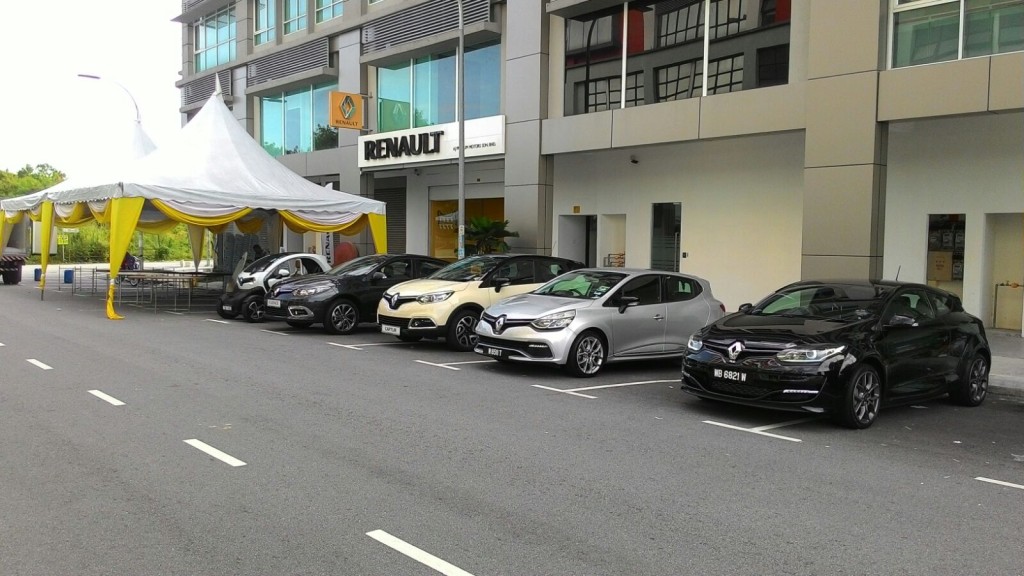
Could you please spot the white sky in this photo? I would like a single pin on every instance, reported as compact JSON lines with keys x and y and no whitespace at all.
{"x":50,"y":116}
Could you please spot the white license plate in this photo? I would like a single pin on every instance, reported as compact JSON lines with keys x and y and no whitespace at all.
{"x":495,"y":352}
{"x":272,"y":303}
{"x":390,"y":330}
{"x":226,"y":307}
{"x":732,"y":375}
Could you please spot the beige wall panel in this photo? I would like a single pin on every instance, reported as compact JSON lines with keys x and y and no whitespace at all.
{"x":1007,"y":84}
{"x":835,"y":267}
{"x":844,"y":36}
{"x":523,"y":35}
{"x":924,"y":91}
{"x":525,"y":98}
{"x":656,"y":123}
{"x":525,"y":167}
{"x":331,"y":161}
{"x":775,"y":109}
{"x":839,"y":211}
{"x":528,"y":210}
{"x":577,"y":133}
{"x":841,"y":128}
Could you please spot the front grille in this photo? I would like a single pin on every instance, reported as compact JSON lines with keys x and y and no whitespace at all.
{"x":402,"y":323}
{"x":508,"y":323}
{"x":396,"y":302}
{"x":736,"y":389}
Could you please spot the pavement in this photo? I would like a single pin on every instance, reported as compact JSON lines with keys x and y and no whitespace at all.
{"x":1006,"y":378}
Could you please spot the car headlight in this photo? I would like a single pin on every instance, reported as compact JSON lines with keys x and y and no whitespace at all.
{"x":695,"y":344}
{"x":434,"y":297}
{"x":809,"y":353}
{"x":555,"y":321}
{"x":311,"y":290}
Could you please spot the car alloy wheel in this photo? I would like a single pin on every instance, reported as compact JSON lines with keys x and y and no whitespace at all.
{"x":973,"y":385}
{"x":862,"y":398}
{"x":586,"y":357}
{"x":252,"y":309}
{"x":342,"y":318}
{"x":462,"y":333}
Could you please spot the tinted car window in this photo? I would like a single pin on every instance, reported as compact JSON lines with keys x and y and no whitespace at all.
{"x":824,"y":300}
{"x":646,"y":288}
{"x":519,"y":271}
{"x":589,"y":284}
{"x":943,"y":304}
{"x":427,"y":267}
{"x":467,"y":269}
{"x":912,"y":304}
{"x":358,"y":266}
{"x":678,"y":288}
{"x":398,"y":269}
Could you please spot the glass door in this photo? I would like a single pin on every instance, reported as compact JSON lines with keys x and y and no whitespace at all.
{"x":666,"y":221}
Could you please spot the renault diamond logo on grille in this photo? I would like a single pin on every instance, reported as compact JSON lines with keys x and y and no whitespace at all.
{"x":734,"y":350}
{"x":499,"y":324}
{"x":392,"y":300}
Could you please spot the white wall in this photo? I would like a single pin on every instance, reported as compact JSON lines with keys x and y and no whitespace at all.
{"x":742,"y":206}
{"x":964,"y":165}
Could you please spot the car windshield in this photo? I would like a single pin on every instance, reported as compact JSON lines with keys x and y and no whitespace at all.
{"x":358,"y":266}
{"x":581,"y":284}
{"x":263,"y":263}
{"x":829,"y":301}
{"x":467,"y":269}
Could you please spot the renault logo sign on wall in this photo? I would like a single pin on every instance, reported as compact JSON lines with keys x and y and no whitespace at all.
{"x":347,"y":110}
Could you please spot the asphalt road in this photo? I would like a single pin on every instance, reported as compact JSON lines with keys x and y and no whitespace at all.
{"x":360,"y":455}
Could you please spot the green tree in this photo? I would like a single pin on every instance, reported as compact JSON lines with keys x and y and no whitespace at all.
{"x":487,"y":235}
{"x":29,"y":179}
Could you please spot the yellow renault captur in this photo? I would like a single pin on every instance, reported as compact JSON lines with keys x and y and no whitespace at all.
{"x":448,"y":303}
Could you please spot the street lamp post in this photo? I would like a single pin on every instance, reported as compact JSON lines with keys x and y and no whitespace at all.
{"x":460,"y":106}
{"x":138,"y":115}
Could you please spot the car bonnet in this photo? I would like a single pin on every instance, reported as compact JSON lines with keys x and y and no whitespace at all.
{"x":528,"y":306}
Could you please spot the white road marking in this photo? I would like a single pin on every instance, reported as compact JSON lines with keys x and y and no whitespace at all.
{"x":620,"y":385}
{"x":175,"y":313}
{"x":782,"y":424}
{"x":361,"y":346}
{"x":471,"y":362}
{"x":39,"y":364}
{"x":1,"y":343}
{"x":106,"y":397}
{"x":417,"y":554}
{"x":203,"y":446}
{"x":217,"y":321}
{"x":564,"y":391}
{"x":752,"y":431}
{"x":439,"y":365}
{"x":1000,"y":482}
{"x":275,"y":332}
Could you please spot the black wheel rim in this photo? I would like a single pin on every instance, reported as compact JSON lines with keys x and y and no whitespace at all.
{"x":589,"y":354}
{"x":867,"y":395}
{"x":343,"y":317}
{"x":255,"y":310}
{"x":464,"y":334}
{"x":978,"y":380}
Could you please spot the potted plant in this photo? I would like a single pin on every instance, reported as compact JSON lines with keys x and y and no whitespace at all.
{"x":486,"y":235}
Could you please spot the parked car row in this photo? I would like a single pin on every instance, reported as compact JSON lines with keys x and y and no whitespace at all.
{"x":844,"y":348}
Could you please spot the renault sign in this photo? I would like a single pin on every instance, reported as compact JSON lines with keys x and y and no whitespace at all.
{"x":347,"y":110}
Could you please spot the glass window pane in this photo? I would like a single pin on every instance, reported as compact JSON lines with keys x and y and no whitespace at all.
{"x":298,"y":121}
{"x":325,"y":136}
{"x":926,"y":35}
{"x":272,"y":125}
{"x":483,"y":81}
{"x":394,"y":87}
{"x":434,"y":90}
{"x":666,"y":220}
{"x":993,"y":27}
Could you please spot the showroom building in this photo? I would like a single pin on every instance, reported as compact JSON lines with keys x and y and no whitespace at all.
{"x":750,"y":142}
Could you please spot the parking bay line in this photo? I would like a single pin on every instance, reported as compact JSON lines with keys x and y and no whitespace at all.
{"x":1000,"y":482}
{"x":274,"y":332}
{"x":39,"y":364}
{"x":204,"y":447}
{"x":106,"y":397}
{"x":576,"y":391}
{"x":753,"y":431}
{"x":417,"y":554}
{"x":451,"y":365}
{"x":217,"y":321}
{"x":360,"y":347}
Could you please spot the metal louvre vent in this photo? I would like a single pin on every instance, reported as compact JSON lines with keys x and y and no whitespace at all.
{"x":421,"y":21}
{"x":395,"y":200}
{"x":187,"y":5}
{"x":199,"y":90}
{"x":315,"y":54}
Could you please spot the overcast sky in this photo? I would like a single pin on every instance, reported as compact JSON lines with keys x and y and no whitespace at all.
{"x":50,"y":116}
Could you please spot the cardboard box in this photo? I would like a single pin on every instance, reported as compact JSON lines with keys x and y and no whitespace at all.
{"x":940,"y":266}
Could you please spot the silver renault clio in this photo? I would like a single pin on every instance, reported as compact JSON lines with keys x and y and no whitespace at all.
{"x":585,"y":318}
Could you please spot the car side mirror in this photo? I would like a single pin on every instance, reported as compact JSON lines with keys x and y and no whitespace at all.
{"x":627,"y":302}
{"x":499,"y":282}
{"x":746,"y":307}
{"x":900,"y":321}
{"x":284,"y":273}
{"x":378,"y":275}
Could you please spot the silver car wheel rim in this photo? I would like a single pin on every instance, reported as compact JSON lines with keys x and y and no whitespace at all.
{"x":589,"y":355}
{"x":255,"y":310}
{"x":978,"y":383}
{"x":343,"y":317}
{"x":464,"y":334}
{"x":866,"y":397}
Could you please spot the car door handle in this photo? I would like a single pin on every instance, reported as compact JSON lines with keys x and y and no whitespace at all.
{"x":659,"y":317}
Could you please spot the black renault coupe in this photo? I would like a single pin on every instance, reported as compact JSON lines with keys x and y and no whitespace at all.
{"x":844,"y":348}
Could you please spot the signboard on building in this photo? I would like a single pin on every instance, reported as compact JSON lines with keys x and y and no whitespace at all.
{"x":484,"y":137}
{"x":347,"y":110}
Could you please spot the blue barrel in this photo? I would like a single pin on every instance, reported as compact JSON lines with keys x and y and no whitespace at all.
{"x":69,"y":276}
{"x":39,"y":274}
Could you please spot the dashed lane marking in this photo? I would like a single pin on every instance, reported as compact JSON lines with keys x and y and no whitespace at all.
{"x":752,"y":431}
{"x":106,"y":398}
{"x":417,"y":554}
{"x":204,"y":447}
{"x":452,"y":365}
{"x":1000,"y":482}
{"x":39,"y":364}
{"x":576,"y":391}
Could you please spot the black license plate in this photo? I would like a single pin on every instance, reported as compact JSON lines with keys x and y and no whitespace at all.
{"x":729,"y":375}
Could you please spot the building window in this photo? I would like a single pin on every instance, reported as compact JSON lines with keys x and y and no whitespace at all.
{"x":606,"y":93}
{"x":728,"y":17}
{"x":925,"y":31}
{"x":297,"y":121}
{"x":680,"y":81}
{"x":294,"y":16}
{"x":329,"y":9}
{"x":214,"y":39}
{"x":418,"y":93}
{"x":725,"y":75}
{"x":583,"y":35}
{"x":684,"y":24}
{"x":264,"y":21}
{"x":773,"y":65}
